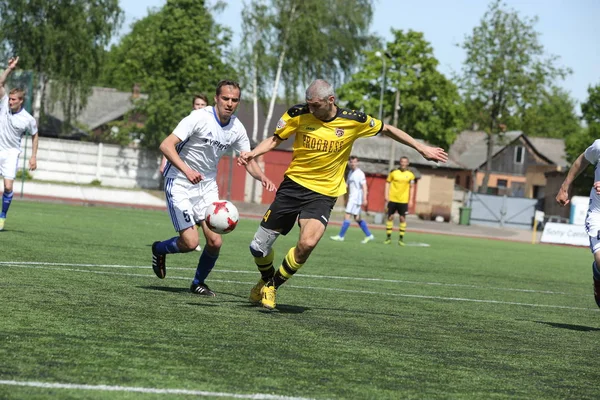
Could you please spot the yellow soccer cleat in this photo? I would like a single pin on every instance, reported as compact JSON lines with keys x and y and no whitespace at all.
{"x":401,"y":242}
{"x":2,"y":220}
{"x":268,"y":297}
{"x":255,"y":292}
{"x":387,"y":241}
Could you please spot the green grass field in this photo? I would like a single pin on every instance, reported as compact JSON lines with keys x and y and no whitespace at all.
{"x":84,"y":317}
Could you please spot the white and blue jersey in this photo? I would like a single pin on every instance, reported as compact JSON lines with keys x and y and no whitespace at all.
{"x":204,"y":141}
{"x":355,"y":181}
{"x":13,"y":126}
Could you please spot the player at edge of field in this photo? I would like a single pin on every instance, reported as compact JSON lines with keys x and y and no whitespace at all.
{"x":15,"y":122}
{"x":592,"y":220}
{"x":398,"y":187}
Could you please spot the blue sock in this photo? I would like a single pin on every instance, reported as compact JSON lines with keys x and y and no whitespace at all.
{"x":364,"y":227}
{"x":6,"y":199}
{"x":168,"y":246}
{"x":205,"y":265}
{"x":596,"y":271}
{"x":345,"y":226}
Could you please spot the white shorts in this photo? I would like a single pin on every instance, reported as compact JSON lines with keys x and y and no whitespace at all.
{"x":187,"y":202}
{"x":9,"y":159}
{"x":592,"y":227}
{"x":353,"y":208}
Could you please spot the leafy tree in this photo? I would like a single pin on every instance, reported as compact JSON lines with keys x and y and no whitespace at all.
{"x":505,"y":71}
{"x":63,"y":41}
{"x":420,"y":99}
{"x":308,"y":39}
{"x":554,"y":116}
{"x":172,"y":53}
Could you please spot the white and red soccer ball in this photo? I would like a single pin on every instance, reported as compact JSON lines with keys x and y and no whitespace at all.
{"x":222,"y":217}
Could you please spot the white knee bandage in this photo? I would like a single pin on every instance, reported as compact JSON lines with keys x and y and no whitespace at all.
{"x":263,"y":242}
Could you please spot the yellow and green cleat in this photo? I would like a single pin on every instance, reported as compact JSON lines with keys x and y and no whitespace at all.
{"x":255,"y":292}
{"x":268,"y":297}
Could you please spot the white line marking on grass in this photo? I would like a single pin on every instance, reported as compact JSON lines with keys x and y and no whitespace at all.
{"x":417,"y":296}
{"x":18,"y":263}
{"x":107,"y":388}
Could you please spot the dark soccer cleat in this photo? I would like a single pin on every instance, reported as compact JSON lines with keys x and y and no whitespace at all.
{"x":202,"y":290}
{"x":596,"y":274}
{"x":159,"y":263}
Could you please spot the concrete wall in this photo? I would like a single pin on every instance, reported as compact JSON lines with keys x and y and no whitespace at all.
{"x":82,"y":162}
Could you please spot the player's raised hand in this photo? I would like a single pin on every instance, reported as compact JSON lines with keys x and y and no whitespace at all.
{"x":12,"y":63}
{"x":435,"y":154}
{"x":597,"y":187}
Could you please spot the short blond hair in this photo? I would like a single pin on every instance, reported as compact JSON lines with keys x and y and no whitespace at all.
{"x":19,"y":92}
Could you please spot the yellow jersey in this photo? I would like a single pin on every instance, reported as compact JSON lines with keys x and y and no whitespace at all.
{"x":321,"y":148}
{"x":400,"y":182}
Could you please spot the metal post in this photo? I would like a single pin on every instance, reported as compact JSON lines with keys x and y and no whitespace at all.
{"x":230,"y":175}
{"x":24,"y":172}
{"x":380,"y":54}
{"x":395,"y":123}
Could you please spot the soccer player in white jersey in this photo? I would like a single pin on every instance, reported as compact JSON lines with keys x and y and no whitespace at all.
{"x":356,"y":200}
{"x":592,"y":220}
{"x":193,"y":152}
{"x":15,"y":121}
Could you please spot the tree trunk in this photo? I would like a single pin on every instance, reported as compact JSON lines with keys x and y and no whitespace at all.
{"x":488,"y":164}
{"x":278,"y":75}
{"x":255,"y":97}
{"x":38,"y":95}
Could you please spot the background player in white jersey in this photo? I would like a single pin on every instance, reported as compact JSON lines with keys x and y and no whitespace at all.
{"x":592,"y":220}
{"x":356,"y":181}
{"x":15,"y":121}
{"x":193,"y":151}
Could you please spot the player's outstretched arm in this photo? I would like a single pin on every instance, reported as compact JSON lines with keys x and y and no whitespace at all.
{"x":428,"y":152}
{"x":578,"y":166}
{"x":263,"y":147}
{"x":12,"y":65}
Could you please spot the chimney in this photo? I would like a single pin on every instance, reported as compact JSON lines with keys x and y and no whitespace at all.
{"x":135,"y":91}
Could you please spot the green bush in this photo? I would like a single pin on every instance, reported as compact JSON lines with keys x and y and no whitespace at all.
{"x":96,"y":182}
{"x":20,"y":175}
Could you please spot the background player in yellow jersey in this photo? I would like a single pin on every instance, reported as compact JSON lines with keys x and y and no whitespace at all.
{"x":398,"y":186}
{"x":324,"y":134}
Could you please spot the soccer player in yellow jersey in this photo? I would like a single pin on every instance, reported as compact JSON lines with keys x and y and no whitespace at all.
{"x":324,"y":134}
{"x":398,"y":186}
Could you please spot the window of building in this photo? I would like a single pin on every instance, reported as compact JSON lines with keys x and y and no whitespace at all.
{"x":519,"y":154}
{"x":502,"y":183}
{"x":457,"y":180}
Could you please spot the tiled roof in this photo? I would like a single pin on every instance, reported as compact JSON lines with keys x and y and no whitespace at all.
{"x":103,"y":105}
{"x":470,"y":147}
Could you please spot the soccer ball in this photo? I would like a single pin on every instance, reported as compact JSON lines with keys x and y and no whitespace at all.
{"x":222,"y":217}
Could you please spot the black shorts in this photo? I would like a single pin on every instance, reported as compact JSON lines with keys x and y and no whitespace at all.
{"x":393,"y":207}
{"x":294,"y":201}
